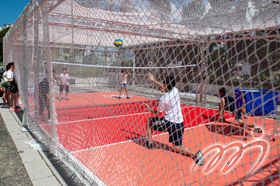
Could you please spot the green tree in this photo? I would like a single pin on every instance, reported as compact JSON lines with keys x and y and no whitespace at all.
{"x":2,"y":34}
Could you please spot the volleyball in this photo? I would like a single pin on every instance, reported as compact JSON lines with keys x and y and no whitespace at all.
{"x":118,"y":43}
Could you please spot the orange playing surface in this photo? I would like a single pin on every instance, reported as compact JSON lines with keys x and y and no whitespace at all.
{"x":108,"y":141}
{"x":130,"y":163}
{"x":96,"y":98}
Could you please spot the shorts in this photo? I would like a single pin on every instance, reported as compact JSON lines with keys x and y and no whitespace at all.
{"x":175,"y":130}
{"x":231,"y":108}
{"x":64,"y":86}
{"x":124,"y":85}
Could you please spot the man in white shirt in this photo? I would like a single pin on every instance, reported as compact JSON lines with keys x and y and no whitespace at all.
{"x":124,"y":76}
{"x":172,"y":122}
{"x":64,"y":77}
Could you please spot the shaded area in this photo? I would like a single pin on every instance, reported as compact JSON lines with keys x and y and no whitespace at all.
{"x":140,"y":140}
{"x":12,"y":171}
{"x":67,"y":175}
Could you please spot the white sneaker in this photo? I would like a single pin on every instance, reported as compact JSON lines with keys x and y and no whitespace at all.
{"x":257,"y":128}
{"x":199,"y":158}
{"x":6,"y":106}
{"x":55,"y":121}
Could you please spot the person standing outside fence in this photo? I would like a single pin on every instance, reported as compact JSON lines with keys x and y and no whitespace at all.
{"x":6,"y":86}
{"x":13,"y":87}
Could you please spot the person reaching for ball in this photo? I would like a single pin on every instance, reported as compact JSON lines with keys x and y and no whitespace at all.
{"x":172,"y":122}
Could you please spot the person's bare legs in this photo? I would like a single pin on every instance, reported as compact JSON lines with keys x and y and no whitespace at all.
{"x":121,"y":92}
{"x":241,"y":123}
{"x":16,"y":100}
{"x":13,"y":100}
{"x":149,"y":131}
{"x":183,"y":150}
{"x":8,"y":93}
{"x":126,"y":92}
{"x":221,"y":113}
{"x":4,"y":98}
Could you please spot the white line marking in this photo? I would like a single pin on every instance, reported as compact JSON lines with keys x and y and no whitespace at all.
{"x":121,"y":67}
{"x":103,"y":118}
{"x":137,"y":139}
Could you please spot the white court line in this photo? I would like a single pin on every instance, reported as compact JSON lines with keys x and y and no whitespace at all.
{"x":110,"y":117}
{"x":101,"y":66}
{"x":101,"y":118}
{"x":138,"y":138}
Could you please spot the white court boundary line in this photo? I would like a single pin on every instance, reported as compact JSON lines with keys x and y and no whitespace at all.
{"x":100,"y":118}
{"x":118,"y":67}
{"x":113,"y":117}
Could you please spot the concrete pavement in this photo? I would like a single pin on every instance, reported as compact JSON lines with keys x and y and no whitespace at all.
{"x":22,"y":164}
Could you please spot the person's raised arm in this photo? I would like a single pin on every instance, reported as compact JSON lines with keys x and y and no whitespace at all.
{"x":160,"y":85}
{"x":128,"y":74}
{"x":155,"y":112}
{"x":221,"y":108}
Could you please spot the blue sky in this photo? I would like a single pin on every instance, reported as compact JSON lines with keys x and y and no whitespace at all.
{"x":10,"y":10}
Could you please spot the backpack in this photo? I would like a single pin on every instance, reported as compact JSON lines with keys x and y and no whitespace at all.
{"x":4,"y":80}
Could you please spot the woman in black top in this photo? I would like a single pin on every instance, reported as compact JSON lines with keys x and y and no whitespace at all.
{"x":228,"y":103}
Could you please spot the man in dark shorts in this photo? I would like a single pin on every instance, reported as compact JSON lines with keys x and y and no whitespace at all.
{"x":227,"y":103}
{"x":43,"y":97}
{"x":172,"y":122}
{"x":64,"y":80}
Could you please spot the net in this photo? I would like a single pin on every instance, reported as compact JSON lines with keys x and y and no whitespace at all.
{"x":84,"y":96}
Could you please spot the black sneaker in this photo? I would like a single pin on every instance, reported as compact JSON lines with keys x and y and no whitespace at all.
{"x":149,"y":145}
{"x":127,"y":97}
{"x":199,"y":158}
{"x":222,"y":119}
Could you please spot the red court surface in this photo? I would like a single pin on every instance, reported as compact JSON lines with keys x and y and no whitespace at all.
{"x":108,"y":140}
{"x":130,"y":163}
{"x":89,"y":128}
{"x":95,"y":98}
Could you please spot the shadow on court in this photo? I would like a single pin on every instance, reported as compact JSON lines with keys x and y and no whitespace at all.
{"x":226,"y":129}
{"x":140,"y":140}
